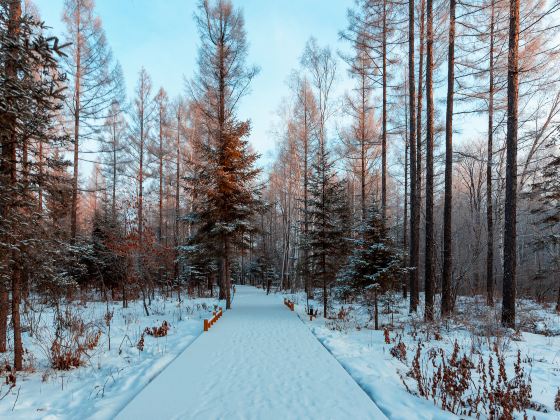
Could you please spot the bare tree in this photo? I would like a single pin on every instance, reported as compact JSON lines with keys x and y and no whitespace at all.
{"x":446,"y":280}
{"x":510,"y":209}
{"x":91,"y":74}
{"x":414,"y":187}
{"x":430,"y":244}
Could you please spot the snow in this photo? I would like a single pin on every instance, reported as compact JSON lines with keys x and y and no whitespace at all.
{"x":363,"y":353}
{"x":259,"y":361}
{"x":110,"y":378}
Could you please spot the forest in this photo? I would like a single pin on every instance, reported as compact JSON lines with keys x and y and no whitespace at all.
{"x":420,"y":201}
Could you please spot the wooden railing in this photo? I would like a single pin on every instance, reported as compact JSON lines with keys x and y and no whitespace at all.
{"x":289,"y":304}
{"x":215,"y":316}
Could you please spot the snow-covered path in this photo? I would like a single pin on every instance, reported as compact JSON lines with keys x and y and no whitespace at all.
{"x":258,"y":362}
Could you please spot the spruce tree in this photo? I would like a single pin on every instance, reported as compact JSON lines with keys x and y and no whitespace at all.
{"x":375,"y":264}
{"x":327,"y":213}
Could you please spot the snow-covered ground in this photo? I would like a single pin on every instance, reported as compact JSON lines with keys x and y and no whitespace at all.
{"x":258,"y":362}
{"x":262,"y":361}
{"x":109,"y":378}
{"x":365,"y":355}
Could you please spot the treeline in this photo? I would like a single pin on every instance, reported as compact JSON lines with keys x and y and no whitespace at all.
{"x":446,"y":147}
{"x":173,"y":185}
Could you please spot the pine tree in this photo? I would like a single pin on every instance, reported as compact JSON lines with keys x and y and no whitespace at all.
{"x":375,"y":264}
{"x":546,"y":192}
{"x":229,"y":195}
{"x":30,"y":95}
{"x":327,"y":210}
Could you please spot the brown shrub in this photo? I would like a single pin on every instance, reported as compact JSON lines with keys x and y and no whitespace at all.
{"x":158,"y":331}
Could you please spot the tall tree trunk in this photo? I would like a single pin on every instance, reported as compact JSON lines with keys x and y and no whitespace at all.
{"x":4,"y":305}
{"x":114,"y":186}
{"x":414,"y":210}
{"x":384,"y":120}
{"x":363,"y":169}
{"x":489,"y":164}
{"x":308,"y":285}
{"x":405,"y":215}
{"x":419,"y":171}
{"x":177,"y":199}
{"x":77,"y":105}
{"x":16,"y":325}
{"x":160,"y":203}
{"x":227,"y":279}
{"x":510,"y":206}
{"x":429,"y":263}
{"x":40,"y":176}
{"x":8,"y":176}
{"x":446,"y":298}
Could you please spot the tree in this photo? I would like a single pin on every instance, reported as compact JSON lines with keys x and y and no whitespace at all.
{"x":546,"y":192}
{"x":112,"y":148}
{"x":305,"y":119}
{"x":326,"y":213}
{"x":370,"y":31}
{"x":141,"y":124}
{"x":414,"y":187}
{"x":28,"y":106}
{"x":430,"y":242}
{"x":375,"y":265}
{"x":510,"y":206}
{"x":161,"y":150}
{"x":222,"y":79}
{"x":446,"y":293}
{"x":489,"y":164}
{"x":91,"y":76}
{"x":361,"y":135}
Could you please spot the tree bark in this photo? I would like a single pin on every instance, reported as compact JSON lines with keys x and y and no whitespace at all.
{"x":510,"y":206}
{"x":177,"y":200}
{"x":4,"y":305}
{"x":405,"y":215}
{"x":419,"y":108}
{"x":77,"y":93}
{"x":429,"y":262}
{"x":8,"y":175}
{"x":384,"y":120}
{"x":489,"y":164}
{"x":414,"y":210}
{"x":446,"y":298}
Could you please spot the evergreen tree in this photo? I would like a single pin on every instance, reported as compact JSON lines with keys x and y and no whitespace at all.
{"x":327,"y":210}
{"x":546,"y":192}
{"x":375,"y":264}
{"x":228,"y":164}
{"x":30,"y":95}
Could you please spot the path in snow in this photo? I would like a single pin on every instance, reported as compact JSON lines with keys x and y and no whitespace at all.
{"x":259,"y":361}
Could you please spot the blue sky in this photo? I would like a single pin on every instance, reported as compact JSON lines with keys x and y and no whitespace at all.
{"x":160,"y":35}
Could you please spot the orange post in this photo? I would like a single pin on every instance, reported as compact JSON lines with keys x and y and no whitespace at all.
{"x":206,"y":325}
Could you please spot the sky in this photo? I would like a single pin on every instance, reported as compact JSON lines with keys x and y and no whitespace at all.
{"x":160,"y":35}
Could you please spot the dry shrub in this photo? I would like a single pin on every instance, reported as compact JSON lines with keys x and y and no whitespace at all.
{"x":344,"y":321}
{"x":399,"y":350}
{"x":557,"y":401}
{"x":457,"y":385}
{"x":386,"y":335}
{"x":73,"y":340}
{"x":69,"y":353}
{"x":140,"y":344}
{"x":10,"y":379}
{"x":158,"y":331}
